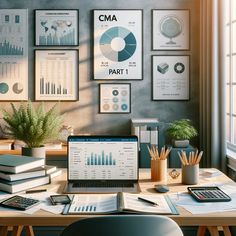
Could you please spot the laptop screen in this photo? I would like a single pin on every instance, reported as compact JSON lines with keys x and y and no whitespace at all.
{"x":102,"y":158}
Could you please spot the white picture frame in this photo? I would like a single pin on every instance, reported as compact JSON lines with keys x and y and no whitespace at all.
{"x":56,"y":28}
{"x":170,"y":77}
{"x":118,"y":45}
{"x":171,"y":29}
{"x":115,"y":98}
{"x":56,"y":75}
{"x":14,"y":54}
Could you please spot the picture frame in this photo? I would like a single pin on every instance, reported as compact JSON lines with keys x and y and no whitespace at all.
{"x":171,"y":29}
{"x":57,"y":28}
{"x":56,"y":75}
{"x":118,"y":44}
{"x":14,"y":55}
{"x":115,"y":98}
{"x":170,"y":77}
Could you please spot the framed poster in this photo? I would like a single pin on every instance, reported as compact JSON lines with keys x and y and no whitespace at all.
{"x":115,"y":98}
{"x":170,"y":77}
{"x":56,"y":27}
{"x":56,"y":75}
{"x":170,"y":29}
{"x":14,"y":54}
{"x":117,"y":44}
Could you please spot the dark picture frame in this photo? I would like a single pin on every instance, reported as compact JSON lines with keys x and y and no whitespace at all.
{"x":171,"y":29}
{"x":115,"y":98}
{"x":56,"y":27}
{"x":117,"y":44}
{"x":170,"y":77}
{"x":61,"y":85}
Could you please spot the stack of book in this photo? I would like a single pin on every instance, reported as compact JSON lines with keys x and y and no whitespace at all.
{"x":19,"y":173}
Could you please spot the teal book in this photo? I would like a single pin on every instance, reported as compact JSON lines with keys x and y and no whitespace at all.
{"x":17,"y":164}
{"x":21,"y":185}
{"x":32,"y":173}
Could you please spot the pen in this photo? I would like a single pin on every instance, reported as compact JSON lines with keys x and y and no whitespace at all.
{"x":147,"y":201}
{"x":36,"y":191}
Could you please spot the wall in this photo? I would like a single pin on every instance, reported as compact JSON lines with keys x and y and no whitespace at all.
{"x":83,"y":115}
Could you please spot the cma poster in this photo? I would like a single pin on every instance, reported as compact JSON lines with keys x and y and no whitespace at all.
{"x":118,"y":44}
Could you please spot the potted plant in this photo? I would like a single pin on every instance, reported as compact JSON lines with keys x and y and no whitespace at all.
{"x":32,"y":126}
{"x":181,"y":131}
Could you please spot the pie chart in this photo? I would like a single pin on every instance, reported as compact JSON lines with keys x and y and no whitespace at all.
{"x":118,"y":44}
{"x":17,"y":88}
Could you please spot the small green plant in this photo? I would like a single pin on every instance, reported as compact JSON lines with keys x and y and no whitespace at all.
{"x":181,"y":130}
{"x":32,"y":126}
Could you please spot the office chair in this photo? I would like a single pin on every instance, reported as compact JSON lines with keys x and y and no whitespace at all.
{"x":124,"y":225}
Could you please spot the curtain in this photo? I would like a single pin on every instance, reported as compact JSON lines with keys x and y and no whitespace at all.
{"x":212,"y":84}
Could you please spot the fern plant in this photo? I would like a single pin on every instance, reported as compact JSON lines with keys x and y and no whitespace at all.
{"x":181,"y":130}
{"x":32,"y":126}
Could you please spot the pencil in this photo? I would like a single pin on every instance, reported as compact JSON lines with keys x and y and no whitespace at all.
{"x":199,"y":157}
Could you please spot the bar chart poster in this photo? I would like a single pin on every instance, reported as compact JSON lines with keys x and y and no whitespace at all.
{"x":56,"y":75}
{"x":56,"y":27}
{"x":118,"y":44}
{"x":115,"y":98}
{"x":13,"y":54}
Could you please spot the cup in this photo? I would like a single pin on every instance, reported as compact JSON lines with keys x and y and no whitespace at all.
{"x":190,"y":174}
{"x":159,"y":170}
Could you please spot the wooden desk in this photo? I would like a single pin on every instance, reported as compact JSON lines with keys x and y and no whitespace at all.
{"x":43,"y":218}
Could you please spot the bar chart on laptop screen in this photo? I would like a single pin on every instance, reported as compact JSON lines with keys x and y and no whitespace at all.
{"x":103,"y":161}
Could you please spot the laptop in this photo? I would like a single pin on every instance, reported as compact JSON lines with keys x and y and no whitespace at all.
{"x":102,"y":164}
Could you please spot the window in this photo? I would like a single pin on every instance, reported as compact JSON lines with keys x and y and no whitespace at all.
{"x":230,"y":63}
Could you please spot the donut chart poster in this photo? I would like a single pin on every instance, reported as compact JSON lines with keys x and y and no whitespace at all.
{"x":170,"y":29}
{"x":170,"y":77}
{"x":117,"y":45}
{"x":115,"y":98}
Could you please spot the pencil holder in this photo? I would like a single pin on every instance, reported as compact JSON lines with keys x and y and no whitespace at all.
{"x":159,"y":170}
{"x":190,"y":174}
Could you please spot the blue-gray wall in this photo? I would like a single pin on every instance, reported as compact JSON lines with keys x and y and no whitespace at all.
{"x":83,"y":115}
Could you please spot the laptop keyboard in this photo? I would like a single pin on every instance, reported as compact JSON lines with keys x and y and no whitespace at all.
{"x":103,"y":185}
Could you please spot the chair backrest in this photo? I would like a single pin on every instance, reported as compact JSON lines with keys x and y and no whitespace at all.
{"x":124,"y":225}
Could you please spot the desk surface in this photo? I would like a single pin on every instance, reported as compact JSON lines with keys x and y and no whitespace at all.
{"x":43,"y":218}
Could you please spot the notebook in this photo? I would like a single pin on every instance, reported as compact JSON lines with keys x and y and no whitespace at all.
{"x":102,"y":164}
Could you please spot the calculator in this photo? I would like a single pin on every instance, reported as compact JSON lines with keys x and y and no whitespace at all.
{"x":208,"y":194}
{"x":19,"y":203}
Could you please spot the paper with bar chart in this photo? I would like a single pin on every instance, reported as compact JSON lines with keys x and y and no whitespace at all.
{"x":56,"y":27}
{"x":56,"y":75}
{"x":103,"y":160}
{"x":118,"y":44}
{"x":13,"y":54}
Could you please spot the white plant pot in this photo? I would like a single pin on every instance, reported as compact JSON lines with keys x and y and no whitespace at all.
{"x":34,"y":152}
{"x":180,"y":143}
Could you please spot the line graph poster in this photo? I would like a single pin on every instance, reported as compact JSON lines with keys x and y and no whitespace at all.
{"x":13,"y":54}
{"x":56,"y":27}
{"x":118,"y":44}
{"x":171,"y":29}
{"x":56,"y":75}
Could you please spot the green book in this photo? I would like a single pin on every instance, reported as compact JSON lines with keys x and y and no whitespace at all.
{"x":18,"y":164}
